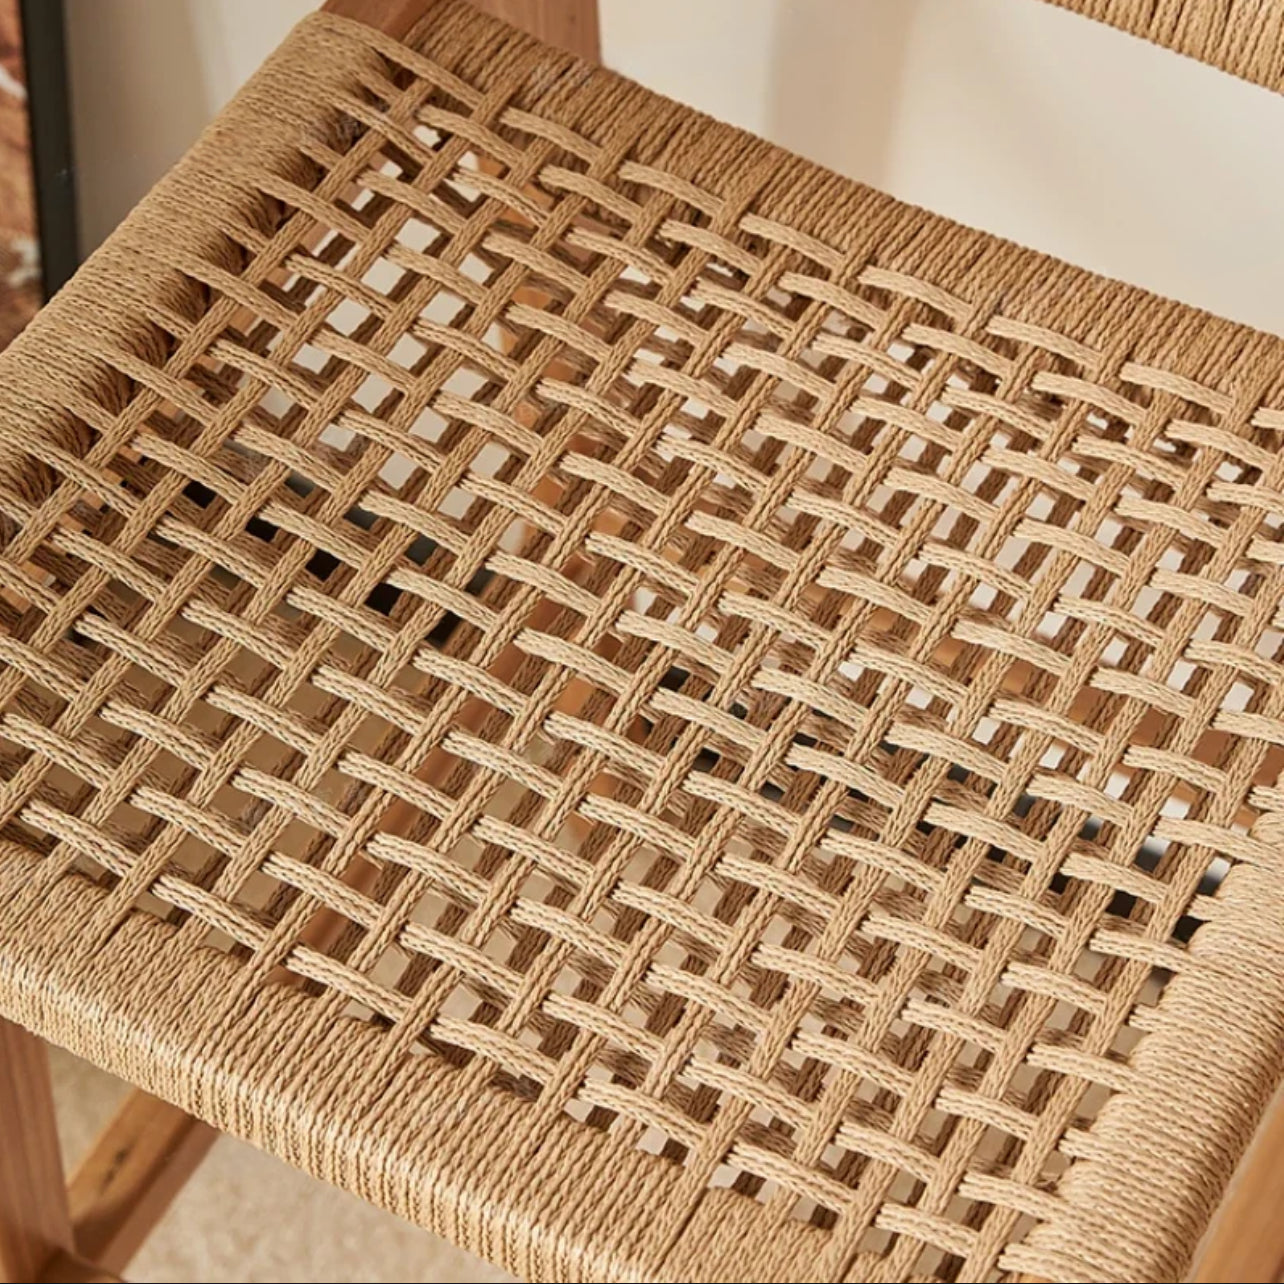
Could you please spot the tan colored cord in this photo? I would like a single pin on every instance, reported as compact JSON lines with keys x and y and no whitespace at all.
{"x":800,"y":675}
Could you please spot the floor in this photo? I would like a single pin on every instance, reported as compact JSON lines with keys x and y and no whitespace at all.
{"x":247,"y":1217}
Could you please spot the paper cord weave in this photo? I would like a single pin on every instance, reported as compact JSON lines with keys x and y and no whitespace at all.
{"x":645,"y":706}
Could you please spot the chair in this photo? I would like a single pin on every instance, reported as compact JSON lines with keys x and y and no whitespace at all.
{"x":644,"y":706}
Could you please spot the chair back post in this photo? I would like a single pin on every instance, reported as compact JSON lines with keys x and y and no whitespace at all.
{"x":569,"y":24}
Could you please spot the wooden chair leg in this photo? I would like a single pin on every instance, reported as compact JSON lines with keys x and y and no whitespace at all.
{"x":1245,"y":1241}
{"x":35,"y":1224}
{"x":67,"y":1269}
{"x":131,"y":1175}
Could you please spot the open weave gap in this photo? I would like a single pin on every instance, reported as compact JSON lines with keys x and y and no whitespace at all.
{"x":713,"y":671}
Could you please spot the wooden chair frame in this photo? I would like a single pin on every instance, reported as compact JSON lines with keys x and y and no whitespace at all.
{"x":89,"y":1227}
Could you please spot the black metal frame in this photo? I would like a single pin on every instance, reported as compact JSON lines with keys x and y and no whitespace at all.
{"x":49,"y":112}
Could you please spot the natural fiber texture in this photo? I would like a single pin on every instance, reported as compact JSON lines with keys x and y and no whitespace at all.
{"x":638,"y":703}
{"x":1244,"y":37}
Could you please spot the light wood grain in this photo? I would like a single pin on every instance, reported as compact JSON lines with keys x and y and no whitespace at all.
{"x":396,"y":17}
{"x":66,"y":1268}
{"x":1246,"y":1239}
{"x":131,"y":1175}
{"x":568,"y":24}
{"x":34,"y":1222}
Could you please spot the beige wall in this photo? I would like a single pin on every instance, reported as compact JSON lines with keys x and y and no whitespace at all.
{"x":1009,"y":114}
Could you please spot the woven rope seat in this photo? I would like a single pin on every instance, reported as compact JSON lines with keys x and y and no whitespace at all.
{"x":642,"y":705}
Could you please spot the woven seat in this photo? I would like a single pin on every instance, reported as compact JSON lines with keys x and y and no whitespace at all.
{"x":647,"y":707}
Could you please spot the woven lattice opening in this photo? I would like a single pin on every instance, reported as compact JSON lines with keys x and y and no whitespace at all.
{"x":762,"y":702}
